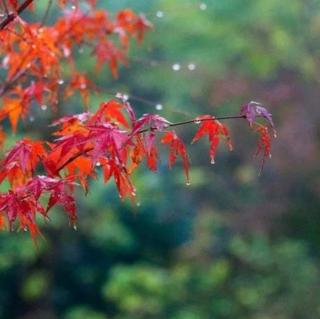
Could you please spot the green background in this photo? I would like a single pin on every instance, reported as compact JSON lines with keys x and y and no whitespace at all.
{"x":232,"y":245}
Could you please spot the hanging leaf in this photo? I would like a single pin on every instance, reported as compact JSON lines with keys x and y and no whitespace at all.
{"x":176,"y":147}
{"x":215,"y":130}
{"x":252,"y":110}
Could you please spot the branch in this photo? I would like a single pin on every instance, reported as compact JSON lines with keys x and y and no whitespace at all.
{"x":11,"y":16}
{"x":74,"y":157}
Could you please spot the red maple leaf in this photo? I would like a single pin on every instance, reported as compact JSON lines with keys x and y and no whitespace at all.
{"x":176,"y":147}
{"x":215,"y":130}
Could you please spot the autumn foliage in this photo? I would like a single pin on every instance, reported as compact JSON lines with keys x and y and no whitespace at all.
{"x":112,"y":140}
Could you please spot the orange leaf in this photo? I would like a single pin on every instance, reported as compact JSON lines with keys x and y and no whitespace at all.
{"x":13,"y":109}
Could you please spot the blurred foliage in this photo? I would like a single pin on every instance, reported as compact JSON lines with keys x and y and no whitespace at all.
{"x":231,"y":245}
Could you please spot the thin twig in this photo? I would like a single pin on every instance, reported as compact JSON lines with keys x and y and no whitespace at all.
{"x":11,"y":16}
{"x":83,"y":152}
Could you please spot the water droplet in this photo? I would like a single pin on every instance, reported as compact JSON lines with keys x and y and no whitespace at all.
{"x":43,"y":107}
{"x":270,"y":156}
{"x":75,"y":227}
{"x":191,"y":66}
{"x":98,"y":164}
{"x":25,"y":228}
{"x":123,"y":97}
{"x":176,"y":67}
{"x":275,"y":135}
{"x":73,"y":7}
{"x":203,"y":6}
{"x":159,"y":107}
{"x":188,"y":183}
{"x":212,"y":161}
{"x":159,"y":14}
{"x":133,"y":194}
{"x":31,"y":118}
{"x":60,"y":81}
{"x":197,"y":122}
{"x":138,"y":204}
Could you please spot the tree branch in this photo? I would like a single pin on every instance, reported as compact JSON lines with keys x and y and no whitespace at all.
{"x":11,"y":16}
{"x":83,"y":152}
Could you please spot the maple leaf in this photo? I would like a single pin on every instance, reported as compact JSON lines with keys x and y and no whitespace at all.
{"x":215,"y":130}
{"x":72,"y":124}
{"x":106,"y":51}
{"x":13,"y":108}
{"x":264,"y":144}
{"x":20,"y":162}
{"x":81,"y":83}
{"x":177,"y":147}
{"x":252,"y":110}
{"x":152,"y":123}
{"x":111,"y":111}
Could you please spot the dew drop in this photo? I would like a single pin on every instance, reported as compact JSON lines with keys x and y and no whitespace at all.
{"x":188,"y":183}
{"x":25,"y":228}
{"x":60,"y":81}
{"x":159,"y":14}
{"x":270,"y":156}
{"x":275,"y":135}
{"x":73,"y":7}
{"x":159,"y":107}
{"x":212,"y":161}
{"x":98,"y":164}
{"x":197,"y":122}
{"x":31,"y":118}
{"x":176,"y":67}
{"x":191,"y":66}
{"x":133,"y":194}
{"x":138,"y":204}
{"x":121,"y":96}
{"x":75,"y":227}
{"x":203,"y":6}
{"x":43,"y":107}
